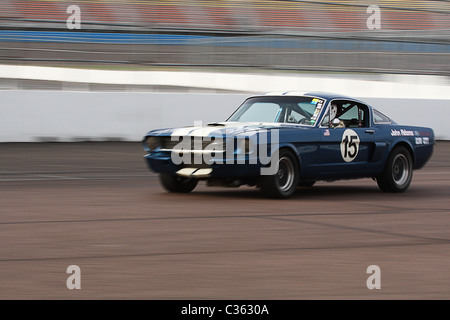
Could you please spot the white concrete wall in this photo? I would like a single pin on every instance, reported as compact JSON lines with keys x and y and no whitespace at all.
{"x":28,"y":116}
{"x":382,"y":86}
{"x":71,"y":116}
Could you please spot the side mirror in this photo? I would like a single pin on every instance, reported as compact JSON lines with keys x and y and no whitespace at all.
{"x":335,"y":122}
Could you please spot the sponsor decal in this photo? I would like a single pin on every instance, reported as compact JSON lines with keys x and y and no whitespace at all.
{"x":326,"y":133}
{"x":422,"y":140}
{"x":316,"y":111}
{"x":402,"y":133}
{"x":407,"y":133}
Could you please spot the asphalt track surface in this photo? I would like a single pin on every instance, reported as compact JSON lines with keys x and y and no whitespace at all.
{"x":95,"y":205}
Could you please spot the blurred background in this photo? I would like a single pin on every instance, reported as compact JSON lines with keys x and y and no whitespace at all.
{"x":365,"y":48}
{"x":108,"y":71}
{"x":334,"y":37}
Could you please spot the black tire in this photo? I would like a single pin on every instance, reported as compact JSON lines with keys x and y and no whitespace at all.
{"x":283,"y":183}
{"x":177,"y":184}
{"x":306,"y":183}
{"x":397,"y":174}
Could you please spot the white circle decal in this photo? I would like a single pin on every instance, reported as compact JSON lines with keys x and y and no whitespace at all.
{"x":349,"y":145}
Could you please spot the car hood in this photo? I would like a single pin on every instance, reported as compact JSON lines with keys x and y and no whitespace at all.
{"x":223,"y":129}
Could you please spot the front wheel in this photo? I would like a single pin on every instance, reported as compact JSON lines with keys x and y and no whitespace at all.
{"x":397,"y":175}
{"x":284,"y":182}
{"x":174,"y":183}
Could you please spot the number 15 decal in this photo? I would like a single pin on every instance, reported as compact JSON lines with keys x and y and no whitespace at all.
{"x":349,"y":145}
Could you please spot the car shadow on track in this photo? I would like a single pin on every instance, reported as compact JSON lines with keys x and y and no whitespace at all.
{"x":316,"y":192}
{"x":320,"y":191}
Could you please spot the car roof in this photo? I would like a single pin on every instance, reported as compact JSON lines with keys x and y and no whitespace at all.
{"x":318,"y":94}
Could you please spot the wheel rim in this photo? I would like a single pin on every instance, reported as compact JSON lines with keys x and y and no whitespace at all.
{"x":400,"y":169}
{"x":285,"y":174}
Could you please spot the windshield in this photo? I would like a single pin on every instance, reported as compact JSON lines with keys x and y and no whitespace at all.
{"x":279,"y":109}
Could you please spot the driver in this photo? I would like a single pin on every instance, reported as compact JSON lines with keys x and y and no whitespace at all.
{"x":333,"y":114}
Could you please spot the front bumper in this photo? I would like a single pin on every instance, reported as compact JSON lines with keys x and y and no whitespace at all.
{"x":161,"y":162}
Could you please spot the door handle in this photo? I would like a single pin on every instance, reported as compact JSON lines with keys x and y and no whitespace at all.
{"x":371,"y":131}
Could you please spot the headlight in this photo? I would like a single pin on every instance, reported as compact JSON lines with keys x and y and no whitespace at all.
{"x":152,"y":143}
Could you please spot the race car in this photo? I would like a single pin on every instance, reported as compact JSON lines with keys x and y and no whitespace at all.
{"x":280,"y":141}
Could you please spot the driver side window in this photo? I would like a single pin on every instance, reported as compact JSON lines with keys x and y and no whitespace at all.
{"x":334,"y":111}
{"x":350,"y":114}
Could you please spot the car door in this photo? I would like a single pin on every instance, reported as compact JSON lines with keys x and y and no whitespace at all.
{"x":346,"y":148}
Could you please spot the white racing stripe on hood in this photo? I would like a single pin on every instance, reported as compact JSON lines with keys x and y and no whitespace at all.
{"x":181,"y":132}
{"x":194,"y":131}
{"x":221,"y":128}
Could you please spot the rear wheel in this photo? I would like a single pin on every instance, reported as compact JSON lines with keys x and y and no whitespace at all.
{"x":284,"y":182}
{"x":397,"y":175}
{"x":174,"y":183}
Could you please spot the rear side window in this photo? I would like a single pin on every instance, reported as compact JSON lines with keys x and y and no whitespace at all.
{"x":378,"y":117}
